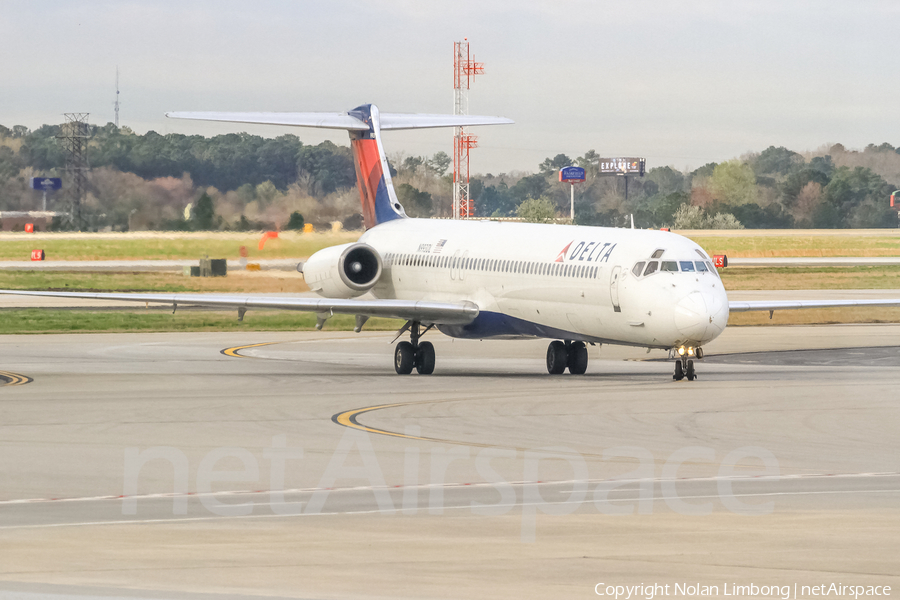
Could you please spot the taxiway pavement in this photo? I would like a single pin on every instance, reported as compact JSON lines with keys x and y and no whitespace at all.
{"x":299,"y":465}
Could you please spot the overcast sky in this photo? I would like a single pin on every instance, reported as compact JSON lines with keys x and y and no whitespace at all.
{"x":680,"y":82}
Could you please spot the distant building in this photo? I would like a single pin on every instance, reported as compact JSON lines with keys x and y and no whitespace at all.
{"x":15,"y":220}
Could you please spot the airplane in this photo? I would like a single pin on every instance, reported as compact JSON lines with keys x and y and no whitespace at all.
{"x":479,"y":279}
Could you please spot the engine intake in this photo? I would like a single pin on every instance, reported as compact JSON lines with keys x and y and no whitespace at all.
{"x":360,"y":266}
{"x":344,"y":271}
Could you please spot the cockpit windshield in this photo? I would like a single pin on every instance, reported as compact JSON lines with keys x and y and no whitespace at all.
{"x":671,"y":266}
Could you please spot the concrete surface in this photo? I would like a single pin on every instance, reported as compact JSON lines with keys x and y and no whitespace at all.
{"x":389,"y":513}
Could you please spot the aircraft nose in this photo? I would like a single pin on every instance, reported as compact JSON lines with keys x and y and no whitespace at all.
{"x":717,"y":305}
{"x":692,"y":317}
{"x":701,"y":317}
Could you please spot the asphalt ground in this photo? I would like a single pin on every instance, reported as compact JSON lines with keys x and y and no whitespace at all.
{"x":299,"y":465}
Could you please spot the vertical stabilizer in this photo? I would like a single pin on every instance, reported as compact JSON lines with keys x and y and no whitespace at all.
{"x":373,"y":174}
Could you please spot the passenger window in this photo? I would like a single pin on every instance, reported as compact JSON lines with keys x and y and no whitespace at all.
{"x":669,"y":265}
{"x":638,"y":268}
{"x":701,"y":266}
{"x":651,"y":268}
{"x":657,"y":254}
{"x":686,"y":266}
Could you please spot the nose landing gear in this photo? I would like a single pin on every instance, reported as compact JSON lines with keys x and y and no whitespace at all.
{"x":684,"y":364}
{"x":414,"y":353}
{"x":567,"y":355}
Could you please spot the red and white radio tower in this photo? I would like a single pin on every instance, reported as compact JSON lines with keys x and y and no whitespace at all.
{"x":464,"y":68}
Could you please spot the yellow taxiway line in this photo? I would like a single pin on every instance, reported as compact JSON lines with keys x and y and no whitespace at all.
{"x":14,"y":378}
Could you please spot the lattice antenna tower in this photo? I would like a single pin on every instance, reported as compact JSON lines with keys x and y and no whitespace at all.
{"x":464,"y":69}
{"x":117,"y":97}
{"x":74,"y":134}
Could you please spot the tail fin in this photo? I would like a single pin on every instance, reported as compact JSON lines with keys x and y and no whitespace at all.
{"x":373,"y":174}
{"x":364,"y":123}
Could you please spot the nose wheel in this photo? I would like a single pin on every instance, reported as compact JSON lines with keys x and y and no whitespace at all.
{"x":684,"y":367}
{"x":567,"y":355}
{"x":414,"y":354}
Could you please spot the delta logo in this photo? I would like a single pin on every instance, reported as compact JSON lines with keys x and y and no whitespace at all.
{"x":595,"y":252}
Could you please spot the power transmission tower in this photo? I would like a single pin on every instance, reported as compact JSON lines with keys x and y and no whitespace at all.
{"x":464,"y":68}
{"x":74,"y":135}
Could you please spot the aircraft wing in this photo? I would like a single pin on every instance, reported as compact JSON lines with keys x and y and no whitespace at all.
{"x":773,"y":305}
{"x":427,"y":312}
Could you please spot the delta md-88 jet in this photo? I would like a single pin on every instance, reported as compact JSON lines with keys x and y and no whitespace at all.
{"x":489,"y":279}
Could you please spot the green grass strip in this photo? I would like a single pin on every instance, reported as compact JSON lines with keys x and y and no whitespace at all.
{"x":38,"y":320}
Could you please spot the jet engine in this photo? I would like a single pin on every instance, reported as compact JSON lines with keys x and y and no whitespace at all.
{"x":344,"y":271}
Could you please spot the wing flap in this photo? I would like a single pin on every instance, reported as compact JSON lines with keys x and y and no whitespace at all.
{"x":428,"y":312}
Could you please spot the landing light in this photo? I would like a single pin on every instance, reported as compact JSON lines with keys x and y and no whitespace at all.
{"x":681,"y":351}
{"x":690,"y":351}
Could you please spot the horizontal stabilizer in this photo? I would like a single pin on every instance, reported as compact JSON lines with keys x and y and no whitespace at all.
{"x":342,"y":120}
{"x":320,"y":120}
{"x":413,"y":121}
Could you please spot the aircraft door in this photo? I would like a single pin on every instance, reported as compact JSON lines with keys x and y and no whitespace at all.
{"x":614,"y":287}
{"x":454,"y":265}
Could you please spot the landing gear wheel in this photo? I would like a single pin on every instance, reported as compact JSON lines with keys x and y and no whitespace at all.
{"x":689,"y":372}
{"x":557,"y":358}
{"x":404,"y":357}
{"x":578,"y":358}
{"x":425,"y":358}
{"x":679,"y":371}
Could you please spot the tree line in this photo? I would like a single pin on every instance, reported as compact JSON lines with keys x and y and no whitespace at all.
{"x":248,"y":181}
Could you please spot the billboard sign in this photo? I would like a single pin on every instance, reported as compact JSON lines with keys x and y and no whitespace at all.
{"x":46,"y":183}
{"x":622,"y":166}
{"x":571,"y":174}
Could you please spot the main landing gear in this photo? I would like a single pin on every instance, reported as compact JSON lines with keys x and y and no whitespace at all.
{"x":684,"y":363}
{"x":414,"y":353}
{"x":567,"y":355}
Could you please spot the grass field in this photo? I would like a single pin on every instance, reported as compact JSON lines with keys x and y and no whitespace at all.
{"x":167,"y":246}
{"x":880,"y":277}
{"x":37,"y":320}
{"x":749,"y":246}
{"x":260,"y":282}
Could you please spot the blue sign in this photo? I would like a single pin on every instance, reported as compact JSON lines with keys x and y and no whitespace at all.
{"x":46,"y":183}
{"x":571,"y":174}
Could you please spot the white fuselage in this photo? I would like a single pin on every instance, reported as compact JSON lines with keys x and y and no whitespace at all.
{"x":556,"y":281}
